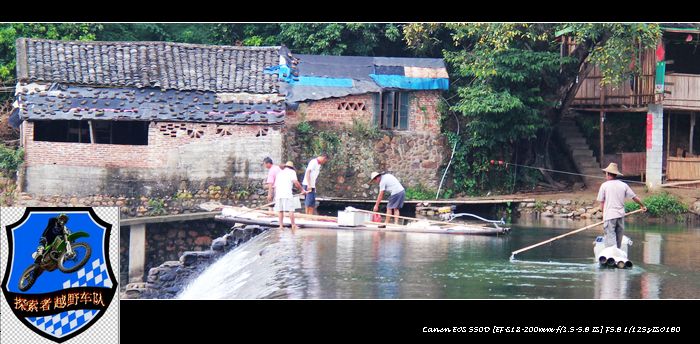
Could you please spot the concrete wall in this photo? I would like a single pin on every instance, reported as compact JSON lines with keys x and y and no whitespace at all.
{"x":655,"y":144}
{"x":196,"y":153}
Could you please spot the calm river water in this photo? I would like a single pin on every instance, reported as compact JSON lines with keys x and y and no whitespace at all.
{"x":361,"y":264}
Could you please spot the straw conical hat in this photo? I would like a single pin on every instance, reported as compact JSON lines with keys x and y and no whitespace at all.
{"x":374,"y":175}
{"x":612,"y":168}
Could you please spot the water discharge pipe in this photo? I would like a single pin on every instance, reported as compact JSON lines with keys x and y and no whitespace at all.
{"x":437,"y":195}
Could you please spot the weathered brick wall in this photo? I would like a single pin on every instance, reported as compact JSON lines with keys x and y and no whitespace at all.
{"x":176,"y":152}
{"x":423,"y":114}
{"x":414,"y":156}
{"x":333,"y":111}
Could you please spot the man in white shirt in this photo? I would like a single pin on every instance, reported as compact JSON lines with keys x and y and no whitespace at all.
{"x":612,"y":196}
{"x":387,"y":182}
{"x":285,"y":201}
{"x":313,"y":169}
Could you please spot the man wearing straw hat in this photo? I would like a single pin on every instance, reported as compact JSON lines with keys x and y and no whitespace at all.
{"x":285,"y":201}
{"x":387,"y":182}
{"x":612,"y":196}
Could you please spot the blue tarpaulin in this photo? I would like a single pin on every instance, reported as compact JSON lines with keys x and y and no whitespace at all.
{"x":403,"y":82}
{"x":319,"y":81}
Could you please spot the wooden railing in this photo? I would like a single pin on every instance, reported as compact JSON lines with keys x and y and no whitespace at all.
{"x":634,"y":93}
{"x":683,"y":168}
{"x":684,"y":92}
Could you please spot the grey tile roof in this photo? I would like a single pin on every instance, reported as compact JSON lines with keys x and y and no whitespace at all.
{"x":70,"y":102}
{"x":162,"y":65}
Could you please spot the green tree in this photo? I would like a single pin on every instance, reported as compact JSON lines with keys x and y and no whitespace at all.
{"x":510,"y":85}
{"x":343,"y":39}
{"x":10,"y":32}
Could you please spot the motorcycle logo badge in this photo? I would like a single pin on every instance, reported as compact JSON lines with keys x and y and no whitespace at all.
{"x":58,"y":280}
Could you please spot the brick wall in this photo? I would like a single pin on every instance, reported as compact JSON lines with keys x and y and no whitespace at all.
{"x":331,"y":111}
{"x":423,"y":113}
{"x":175,"y":152}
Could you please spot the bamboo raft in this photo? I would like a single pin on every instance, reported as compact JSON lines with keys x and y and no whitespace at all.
{"x":247,"y":216}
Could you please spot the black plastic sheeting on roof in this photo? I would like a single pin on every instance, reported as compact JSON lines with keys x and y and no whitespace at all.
{"x":14,"y":119}
{"x":146,"y":104}
{"x":297,"y":94}
{"x":409,"y":62}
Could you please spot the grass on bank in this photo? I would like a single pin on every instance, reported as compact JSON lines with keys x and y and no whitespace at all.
{"x":659,"y":205}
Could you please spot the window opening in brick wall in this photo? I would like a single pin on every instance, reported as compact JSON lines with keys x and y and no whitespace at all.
{"x":223,"y":131}
{"x":261,"y":132}
{"x":351,"y":106}
{"x":393,"y":111}
{"x":104,"y":132}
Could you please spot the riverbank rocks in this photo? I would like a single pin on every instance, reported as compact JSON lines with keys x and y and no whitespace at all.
{"x":168,"y":279}
{"x":182,"y":202}
{"x":696,"y":207}
{"x":562,"y":208}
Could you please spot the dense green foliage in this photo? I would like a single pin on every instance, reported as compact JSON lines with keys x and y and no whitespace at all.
{"x":10,"y":32}
{"x":10,"y":159}
{"x":419,"y":192}
{"x":315,"y":141}
{"x":661,"y":204}
{"x":511,"y":85}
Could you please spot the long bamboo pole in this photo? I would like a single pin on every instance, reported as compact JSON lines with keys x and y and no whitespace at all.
{"x":512,"y":255}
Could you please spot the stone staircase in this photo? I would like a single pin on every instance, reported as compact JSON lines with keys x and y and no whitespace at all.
{"x":580,"y":152}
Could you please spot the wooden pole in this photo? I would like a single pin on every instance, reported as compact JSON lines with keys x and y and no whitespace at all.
{"x":602,"y":136}
{"x":92,"y":132}
{"x":668,"y":140}
{"x":602,"y":125}
{"x":692,"y":132}
{"x":565,"y":235}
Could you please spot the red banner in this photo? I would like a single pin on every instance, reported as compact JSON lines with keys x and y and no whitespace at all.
{"x":650,"y":127}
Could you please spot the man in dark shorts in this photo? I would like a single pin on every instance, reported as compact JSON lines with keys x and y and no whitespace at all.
{"x":387,"y":182}
{"x":309,"y":183}
{"x":612,"y":195}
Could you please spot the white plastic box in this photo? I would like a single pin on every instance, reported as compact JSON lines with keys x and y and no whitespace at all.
{"x":351,"y":218}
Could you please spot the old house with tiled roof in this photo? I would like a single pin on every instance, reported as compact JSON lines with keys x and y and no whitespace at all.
{"x":123,"y":117}
{"x":143,"y":118}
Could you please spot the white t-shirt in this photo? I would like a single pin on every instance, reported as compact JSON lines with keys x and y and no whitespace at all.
{"x":284,"y":183}
{"x":613,"y":193}
{"x":313,"y":169}
{"x":389,"y":183}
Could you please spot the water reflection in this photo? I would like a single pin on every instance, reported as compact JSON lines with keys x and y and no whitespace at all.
{"x":650,"y":287}
{"x":652,"y":248}
{"x":611,"y":284}
{"x":359,"y":264}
